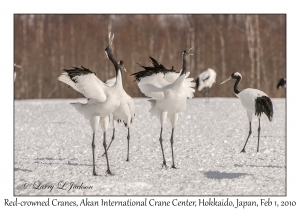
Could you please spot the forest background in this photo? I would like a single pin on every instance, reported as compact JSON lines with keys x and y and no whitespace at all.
{"x":45,"y":44}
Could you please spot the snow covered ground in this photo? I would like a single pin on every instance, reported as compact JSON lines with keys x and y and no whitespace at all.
{"x":52,"y":149}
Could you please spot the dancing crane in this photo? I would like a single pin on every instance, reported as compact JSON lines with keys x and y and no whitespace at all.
{"x":205,"y":80}
{"x":168,"y":91}
{"x":254,"y":101}
{"x":102,"y":99}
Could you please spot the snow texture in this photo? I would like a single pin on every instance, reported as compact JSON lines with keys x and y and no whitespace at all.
{"x":53,"y":144}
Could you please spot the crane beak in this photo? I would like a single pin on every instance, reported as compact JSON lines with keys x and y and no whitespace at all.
{"x":110,"y":39}
{"x":188,"y":52}
{"x":226,"y":80}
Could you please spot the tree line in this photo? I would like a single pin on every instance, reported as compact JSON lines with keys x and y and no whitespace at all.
{"x":45,"y":44}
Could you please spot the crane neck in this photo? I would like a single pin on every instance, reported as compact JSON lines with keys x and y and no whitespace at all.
{"x":236,"y":91}
{"x":115,"y":64}
{"x":183,"y":66}
{"x":110,"y":56}
{"x":119,"y":81}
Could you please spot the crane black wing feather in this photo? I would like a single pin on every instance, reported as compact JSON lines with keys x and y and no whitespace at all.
{"x":154,"y":62}
{"x":77,"y":71}
{"x":150,"y":70}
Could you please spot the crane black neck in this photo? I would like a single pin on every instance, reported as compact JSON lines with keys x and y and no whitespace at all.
{"x":110,"y":56}
{"x":183,"y":66}
{"x":116,"y":65}
{"x":238,"y":79}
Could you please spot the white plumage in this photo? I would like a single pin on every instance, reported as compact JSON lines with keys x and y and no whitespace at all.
{"x":168,"y":91}
{"x":205,"y":80}
{"x":102,"y":99}
{"x":254,"y":101}
{"x":125,"y":112}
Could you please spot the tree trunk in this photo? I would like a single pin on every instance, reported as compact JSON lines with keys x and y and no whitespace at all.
{"x":250,"y":41}
{"x":258,"y":52}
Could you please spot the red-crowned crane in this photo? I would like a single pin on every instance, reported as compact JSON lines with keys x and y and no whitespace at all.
{"x":254,"y":101}
{"x":125,"y":112}
{"x":102,"y":99}
{"x":281,"y":83}
{"x":205,"y":80}
{"x":168,"y":91}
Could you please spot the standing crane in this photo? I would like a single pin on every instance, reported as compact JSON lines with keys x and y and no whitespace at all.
{"x":168,"y":91}
{"x":254,"y":101}
{"x":125,"y":112}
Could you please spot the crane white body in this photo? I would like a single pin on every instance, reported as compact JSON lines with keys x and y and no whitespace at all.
{"x":168,"y":93}
{"x":207,"y":79}
{"x":248,"y":97}
{"x":126,"y":109}
{"x":125,"y":112}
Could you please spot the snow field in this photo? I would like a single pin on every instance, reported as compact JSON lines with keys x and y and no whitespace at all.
{"x":53,"y":144}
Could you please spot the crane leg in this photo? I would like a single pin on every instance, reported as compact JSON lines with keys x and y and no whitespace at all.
{"x":208,"y":94}
{"x":112,"y":138}
{"x":93,"y":151}
{"x":258,"y":134}
{"x":163,"y":117}
{"x":171,"y":140}
{"x":243,"y":150}
{"x":128,"y":138}
{"x":162,"y":148}
{"x":105,"y":148}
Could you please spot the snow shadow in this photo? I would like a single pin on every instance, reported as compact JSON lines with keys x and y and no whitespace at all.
{"x":268,"y":166}
{"x":223,"y":175}
{"x":50,"y":158}
{"x":24,"y":170}
{"x":38,"y":160}
{"x":76,"y":164}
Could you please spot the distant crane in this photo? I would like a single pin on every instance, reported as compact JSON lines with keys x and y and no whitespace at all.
{"x":125,"y":112}
{"x":102,"y":99}
{"x":168,"y":91}
{"x":15,"y":73}
{"x":254,"y":101}
{"x":281,"y":83}
{"x":205,"y":80}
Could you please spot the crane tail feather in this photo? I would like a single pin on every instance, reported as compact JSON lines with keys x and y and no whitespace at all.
{"x":264,"y":105}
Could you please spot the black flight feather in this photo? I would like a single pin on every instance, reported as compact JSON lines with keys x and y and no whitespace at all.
{"x":77,"y":71}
